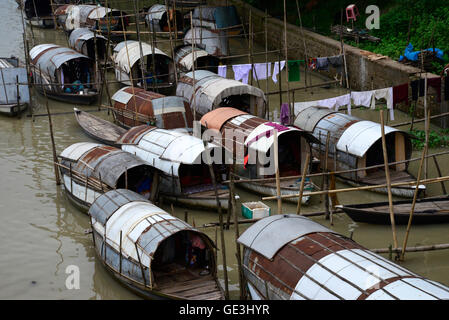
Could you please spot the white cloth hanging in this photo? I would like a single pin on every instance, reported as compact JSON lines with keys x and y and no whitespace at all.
{"x":276,"y":70}
{"x":262,"y":71}
{"x":387,"y":94}
{"x":333,"y":103}
{"x":222,"y":70}
{"x":241,"y":72}
{"x":362,"y":98}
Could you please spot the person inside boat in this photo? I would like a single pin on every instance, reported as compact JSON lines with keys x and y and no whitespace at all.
{"x":143,"y":187}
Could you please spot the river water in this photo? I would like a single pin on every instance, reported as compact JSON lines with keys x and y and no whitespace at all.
{"x":43,"y":234}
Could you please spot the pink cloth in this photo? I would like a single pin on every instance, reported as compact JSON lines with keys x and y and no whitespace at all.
{"x":197,"y":242}
{"x":285,"y":113}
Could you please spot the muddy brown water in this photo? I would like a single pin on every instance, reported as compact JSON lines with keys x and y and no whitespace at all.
{"x":43,"y":233}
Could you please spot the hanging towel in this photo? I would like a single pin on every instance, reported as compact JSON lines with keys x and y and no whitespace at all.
{"x":400,"y":94}
{"x":331,"y":103}
{"x":322,"y":64}
{"x":241,"y":72}
{"x":276,"y":70}
{"x":336,"y":62}
{"x":222,"y":70}
{"x":362,"y":98}
{"x":446,"y":88}
{"x":436,"y":84}
{"x":387,"y":94}
{"x":344,"y":100}
{"x":294,"y":73}
{"x":417,"y":85}
{"x":262,"y":71}
{"x":285,"y":114}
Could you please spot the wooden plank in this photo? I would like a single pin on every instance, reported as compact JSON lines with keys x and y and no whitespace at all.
{"x":399,"y":150}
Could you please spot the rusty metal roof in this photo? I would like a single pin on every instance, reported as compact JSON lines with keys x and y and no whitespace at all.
{"x":216,"y":118}
{"x":270,"y":234}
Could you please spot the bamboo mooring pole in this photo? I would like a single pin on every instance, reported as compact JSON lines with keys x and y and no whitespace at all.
{"x":303,"y":180}
{"x":276,"y":168}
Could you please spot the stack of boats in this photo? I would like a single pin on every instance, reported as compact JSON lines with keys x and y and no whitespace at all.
{"x":157,"y":152}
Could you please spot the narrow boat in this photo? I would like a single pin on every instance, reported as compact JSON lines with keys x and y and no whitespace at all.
{"x":84,"y":41}
{"x":61,"y":13}
{"x":158,"y":19}
{"x":39,"y":13}
{"x":307,"y":261}
{"x":90,"y":169}
{"x":212,"y":92}
{"x":186,"y":56}
{"x":135,"y":106}
{"x":184,"y":175}
{"x":217,"y":18}
{"x":150,"y":252}
{"x":214,"y":42}
{"x":158,"y":68}
{"x":251,"y":138}
{"x":104,"y":20}
{"x":427,"y":211}
{"x":63,"y":74}
{"x":14,"y":90}
{"x":356,"y":144}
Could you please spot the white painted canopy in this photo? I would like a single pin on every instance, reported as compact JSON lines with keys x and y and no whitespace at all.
{"x":264,"y":135}
{"x":99,"y":12}
{"x":76,"y":150}
{"x":360,"y":136}
{"x":132,"y":51}
{"x":214,"y":42}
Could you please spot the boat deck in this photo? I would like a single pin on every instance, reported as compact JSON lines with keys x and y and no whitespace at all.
{"x":187,"y":283}
{"x":434,"y":207}
{"x":378,"y":177}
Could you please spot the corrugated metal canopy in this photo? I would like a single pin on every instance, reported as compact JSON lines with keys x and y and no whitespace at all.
{"x":215,"y":43}
{"x":308,"y":118}
{"x":156,"y":12}
{"x":270,"y":234}
{"x":360,"y":136}
{"x":216,"y":118}
{"x":132,"y":50}
{"x":99,"y":12}
{"x":82,"y":34}
{"x":76,"y":150}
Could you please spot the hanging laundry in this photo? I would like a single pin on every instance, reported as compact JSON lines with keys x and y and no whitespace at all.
{"x":276,"y":70}
{"x":446,"y":88}
{"x":387,"y":94}
{"x":336,"y":62}
{"x":294,"y":73}
{"x":400,"y":94}
{"x":322,"y":64}
{"x":436,"y":84}
{"x":312,"y":63}
{"x":332,"y":103}
{"x":241,"y":72}
{"x":285,"y":114}
{"x":222,"y":70}
{"x":262,"y":71}
{"x":417,"y":89}
{"x":362,"y":98}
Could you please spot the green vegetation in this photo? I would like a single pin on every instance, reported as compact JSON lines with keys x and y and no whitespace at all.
{"x":429,"y":26}
{"x":436,"y":139}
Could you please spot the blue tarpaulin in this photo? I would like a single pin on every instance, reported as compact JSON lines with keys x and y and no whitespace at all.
{"x":413,"y":55}
{"x":226,"y":17}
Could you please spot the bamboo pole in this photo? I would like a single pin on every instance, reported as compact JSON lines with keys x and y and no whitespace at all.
{"x":171,"y":43}
{"x":413,"y":249}
{"x":387,"y":176}
{"x":276,"y":167}
{"x":443,"y":187}
{"x":193,"y":68}
{"x":415,"y":196}
{"x":303,"y":179}
{"x":445,"y":114}
{"x":286,"y":62}
{"x":142,"y":61}
{"x":326,"y":177}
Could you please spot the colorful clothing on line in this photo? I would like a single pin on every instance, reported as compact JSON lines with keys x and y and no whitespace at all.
{"x":400,"y":94}
{"x":294,"y":73}
{"x":241,"y":72}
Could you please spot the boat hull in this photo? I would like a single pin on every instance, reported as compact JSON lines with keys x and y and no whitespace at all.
{"x":199,"y":203}
{"x":12,"y":109}
{"x":271,"y":191}
{"x":85,"y":99}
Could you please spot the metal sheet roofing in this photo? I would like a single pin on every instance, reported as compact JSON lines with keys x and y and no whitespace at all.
{"x":270,"y":234}
{"x":309,"y":117}
{"x":76,"y":150}
{"x":215,"y":43}
{"x":216,"y":118}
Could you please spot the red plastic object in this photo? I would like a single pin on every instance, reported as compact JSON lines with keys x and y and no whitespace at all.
{"x":352,"y":12}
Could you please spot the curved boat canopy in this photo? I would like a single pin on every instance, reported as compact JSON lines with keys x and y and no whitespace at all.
{"x":216,"y":18}
{"x":212,"y":91}
{"x":185,"y":56}
{"x":293,"y":257}
{"x":212,"y":41}
{"x":50,"y":57}
{"x":141,"y":224}
{"x":102,"y":162}
{"x":81,"y":38}
{"x":157,"y":18}
{"x":166,"y":112}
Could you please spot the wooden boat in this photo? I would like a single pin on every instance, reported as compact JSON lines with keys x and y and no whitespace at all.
{"x":427,"y":211}
{"x":249,"y":137}
{"x":89,"y":169}
{"x":152,"y":253}
{"x":83,"y":41}
{"x":63,"y":74}
{"x":307,"y":261}
{"x":157,"y":21}
{"x":186,"y":56}
{"x":159,"y":72}
{"x":184,"y":176}
{"x":213,"y":91}
{"x":104,"y":20}
{"x":39,"y":13}
{"x":357,"y":144}
{"x":14,"y":90}
{"x":135,"y":106}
